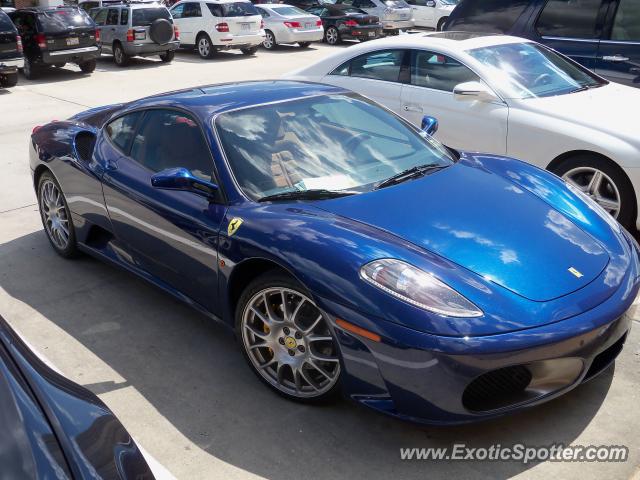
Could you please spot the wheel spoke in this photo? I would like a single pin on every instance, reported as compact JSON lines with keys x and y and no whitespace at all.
{"x":262,"y":318}
{"x":323,"y":358}
{"x":311,"y":383}
{"x":595,"y":182}
{"x":313,"y":325}
{"x":268,"y":364}
{"x":256,"y":332}
{"x":316,"y":367}
{"x":609,"y":205}
{"x":318,"y":338}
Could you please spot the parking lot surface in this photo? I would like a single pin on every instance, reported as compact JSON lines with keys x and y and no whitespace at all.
{"x":179,"y":383}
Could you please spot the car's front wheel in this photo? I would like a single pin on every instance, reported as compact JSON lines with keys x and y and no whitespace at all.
{"x":604,"y":182}
{"x":56,"y":217}
{"x":332,"y":36}
{"x":286,"y":339}
{"x":441,"y":23}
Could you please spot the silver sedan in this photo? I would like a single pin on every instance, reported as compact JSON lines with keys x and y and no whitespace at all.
{"x":288,"y":24}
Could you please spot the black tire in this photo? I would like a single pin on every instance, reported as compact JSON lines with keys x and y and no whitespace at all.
{"x":71,"y":249}
{"x":278,"y":279}
{"x":304,"y":44}
{"x":204,"y":46}
{"x":250,"y":50}
{"x":120,"y":58}
{"x":269,"y":40}
{"x":31,"y":70}
{"x":88,"y":67}
{"x":628,"y":208}
{"x":9,"y":80}
{"x":167,"y":56}
{"x":59,"y":65}
{"x":332,"y":36}
{"x":441,"y":23}
{"x":161,"y":31}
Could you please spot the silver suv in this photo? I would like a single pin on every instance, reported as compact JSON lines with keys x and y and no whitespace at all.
{"x":136,"y":29}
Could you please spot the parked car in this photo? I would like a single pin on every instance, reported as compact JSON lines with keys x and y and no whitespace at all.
{"x":53,"y":427}
{"x":342,"y":22}
{"x":602,"y":35}
{"x":395,"y":15}
{"x":345,"y":245}
{"x":10,"y":52}
{"x":134,"y":29}
{"x":287,"y":24}
{"x":219,"y":24}
{"x":431,"y":13}
{"x":54,"y":36}
{"x":519,"y":98}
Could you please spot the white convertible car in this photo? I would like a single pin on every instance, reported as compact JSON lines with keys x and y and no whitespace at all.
{"x":509,"y":96}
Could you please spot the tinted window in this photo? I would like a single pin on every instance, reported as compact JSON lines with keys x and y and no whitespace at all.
{"x":289,"y":11}
{"x":380,"y":65}
{"x":215,"y":9}
{"x":121,"y":130}
{"x":569,"y":18}
{"x":5,"y":22}
{"x":145,"y":16}
{"x":420,"y":3}
{"x":86,"y":6}
{"x":626,"y":26}
{"x":438,"y":71}
{"x":177,"y":11}
{"x":240,"y":9}
{"x":112,"y":16}
{"x":124,"y":16}
{"x":191,"y":10}
{"x":486,"y":16}
{"x":61,"y":20}
{"x":100,"y":16}
{"x":169,"y":139}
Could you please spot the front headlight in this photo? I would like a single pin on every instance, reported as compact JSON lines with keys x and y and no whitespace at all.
{"x":417,"y":287}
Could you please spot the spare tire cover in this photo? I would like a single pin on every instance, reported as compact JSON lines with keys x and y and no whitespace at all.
{"x":161,"y":31}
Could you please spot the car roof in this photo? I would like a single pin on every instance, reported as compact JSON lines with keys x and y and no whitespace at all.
{"x":208,"y":100}
{"x":275,"y":5}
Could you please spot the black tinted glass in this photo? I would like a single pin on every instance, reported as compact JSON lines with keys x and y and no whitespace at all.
{"x":487,"y":16}
{"x":5,"y":22}
{"x":240,"y":9}
{"x":121,"y":130}
{"x":569,"y":18}
{"x":61,"y":20}
{"x":146,"y":16}
{"x":626,"y":26}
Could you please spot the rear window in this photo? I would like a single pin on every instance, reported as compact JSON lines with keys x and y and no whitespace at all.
{"x":487,"y":16}
{"x":63,"y":19}
{"x":285,"y":11}
{"x":396,"y":4}
{"x":237,"y":9}
{"x":5,"y":22}
{"x":143,"y":17}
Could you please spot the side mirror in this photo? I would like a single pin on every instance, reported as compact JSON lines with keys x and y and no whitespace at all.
{"x":474,"y":91}
{"x":430,"y":3}
{"x":429,"y":125}
{"x":183,"y":179}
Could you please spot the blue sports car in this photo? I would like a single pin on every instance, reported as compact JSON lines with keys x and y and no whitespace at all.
{"x":349,"y":250}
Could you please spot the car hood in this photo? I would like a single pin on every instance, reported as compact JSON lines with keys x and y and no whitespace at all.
{"x":485,"y":223}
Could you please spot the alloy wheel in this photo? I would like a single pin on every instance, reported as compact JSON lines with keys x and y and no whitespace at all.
{"x":288,"y":341}
{"x":332,"y":36}
{"x":269,"y":40}
{"x":204,"y":47}
{"x":54,"y":214}
{"x":598,"y":186}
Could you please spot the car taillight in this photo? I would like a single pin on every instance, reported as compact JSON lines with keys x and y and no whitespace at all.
{"x":176,"y":32}
{"x":19,"y":43}
{"x":130,"y":35}
{"x":261,"y":24}
{"x":41,"y":40}
{"x":293,"y":24}
{"x":318,"y":23}
{"x":35,"y":129}
{"x":351,"y":23}
{"x":222,"y":27}
{"x":97,"y":36}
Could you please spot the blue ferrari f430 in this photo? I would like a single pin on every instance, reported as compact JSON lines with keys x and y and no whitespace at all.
{"x":349,"y":250}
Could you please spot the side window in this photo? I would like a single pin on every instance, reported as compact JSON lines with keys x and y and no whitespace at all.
{"x":112,"y":16}
{"x":216,"y":9}
{"x":569,"y":18}
{"x":437,"y":71}
{"x":124,"y":16}
{"x":100,"y":16}
{"x":626,"y":26}
{"x":122,"y":129}
{"x":487,"y":15}
{"x":191,"y":10}
{"x":263,"y":12}
{"x":169,"y":139}
{"x":418,"y":3}
{"x":177,"y":12}
{"x":381,"y":65}
{"x":364,"y":4}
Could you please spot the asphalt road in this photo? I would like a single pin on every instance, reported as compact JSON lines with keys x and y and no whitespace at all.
{"x":179,"y":383}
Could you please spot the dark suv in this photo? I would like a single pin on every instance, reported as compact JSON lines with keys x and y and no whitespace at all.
{"x":603,"y":35}
{"x":10,"y":52}
{"x":55,"y":36}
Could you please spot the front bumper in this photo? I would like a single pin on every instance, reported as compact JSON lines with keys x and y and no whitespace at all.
{"x":11,"y":65}
{"x":293,"y":35}
{"x":148,"y":49}
{"x":239,"y":41}
{"x":397,"y":24}
{"x":435,"y":379}
{"x":73,"y":55}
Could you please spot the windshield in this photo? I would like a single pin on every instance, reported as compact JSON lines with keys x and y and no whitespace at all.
{"x":289,"y":11}
{"x":146,"y":16}
{"x":336,"y":142}
{"x":63,"y":19}
{"x":396,"y":4}
{"x":529,"y":70}
{"x":449,"y":2}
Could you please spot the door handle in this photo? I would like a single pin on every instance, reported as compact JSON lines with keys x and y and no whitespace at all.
{"x":635,"y":70}
{"x":412,"y":108}
{"x":111,"y":164}
{"x":615,"y":58}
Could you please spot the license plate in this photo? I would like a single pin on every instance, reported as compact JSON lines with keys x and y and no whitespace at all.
{"x":73,"y":41}
{"x":372,"y":34}
{"x":245,"y":26}
{"x":141,"y":35}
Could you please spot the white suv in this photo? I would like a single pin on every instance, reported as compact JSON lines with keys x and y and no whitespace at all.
{"x":219,"y":24}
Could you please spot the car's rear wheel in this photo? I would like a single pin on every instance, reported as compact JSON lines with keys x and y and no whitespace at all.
{"x":120,"y":58}
{"x":88,"y":67}
{"x":604,"y":182}
{"x":332,"y":36}
{"x":286,"y":339}
{"x":440,"y":25}
{"x":269,"y":40}
{"x":250,"y":50}
{"x":56,"y":217}
{"x":30,"y":70}
{"x":204,"y":46}
{"x":304,"y":44}
{"x":167,"y":56}
{"x":9,"y":80}
{"x":59,"y":65}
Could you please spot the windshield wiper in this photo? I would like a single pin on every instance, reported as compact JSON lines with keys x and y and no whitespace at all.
{"x":312,"y":194}
{"x":409,"y":173}
{"x":586,"y":87}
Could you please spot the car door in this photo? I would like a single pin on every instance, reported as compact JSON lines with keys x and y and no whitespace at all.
{"x":170,"y":234}
{"x":186,"y":36}
{"x":467,"y":125}
{"x":99,"y":16}
{"x":376,"y":75}
{"x":573,"y":28}
{"x":619,"y":52}
{"x":108,"y":33}
{"x":423,"y":12}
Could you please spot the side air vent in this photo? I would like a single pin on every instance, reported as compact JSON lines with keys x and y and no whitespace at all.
{"x":85,"y":142}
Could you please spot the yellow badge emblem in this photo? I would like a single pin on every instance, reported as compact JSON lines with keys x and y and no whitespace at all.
{"x":575,"y":272}
{"x":234,"y":225}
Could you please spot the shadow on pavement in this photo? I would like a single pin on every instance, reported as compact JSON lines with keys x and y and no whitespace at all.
{"x":192,"y":372}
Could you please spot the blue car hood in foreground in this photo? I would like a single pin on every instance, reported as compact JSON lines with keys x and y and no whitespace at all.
{"x":487,"y":224}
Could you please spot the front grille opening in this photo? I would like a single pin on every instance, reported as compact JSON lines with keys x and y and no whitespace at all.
{"x":497,"y":389}
{"x":85,"y":141}
{"x":605,"y":358}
